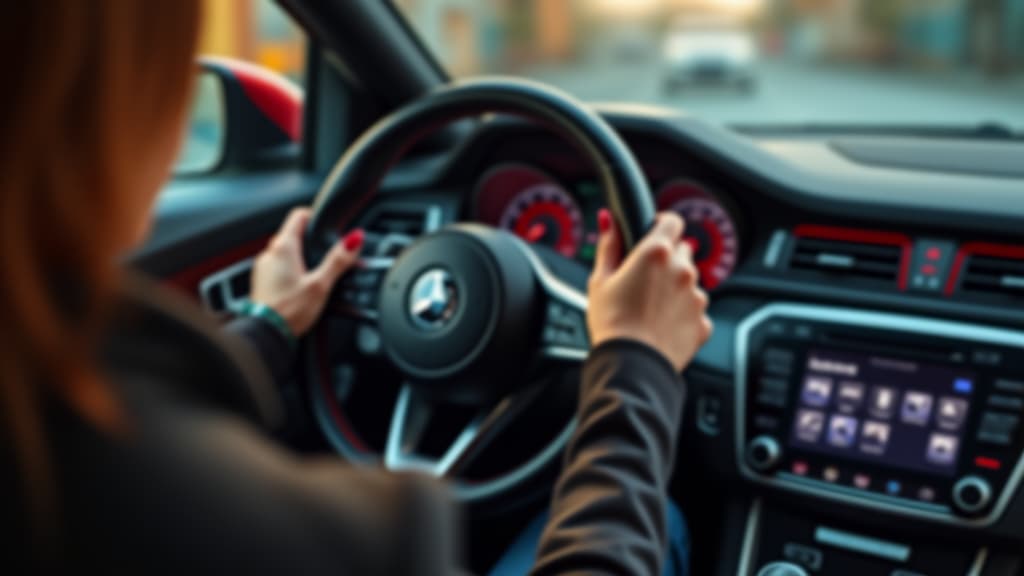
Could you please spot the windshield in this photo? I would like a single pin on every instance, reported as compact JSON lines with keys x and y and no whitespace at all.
{"x":930,"y":63}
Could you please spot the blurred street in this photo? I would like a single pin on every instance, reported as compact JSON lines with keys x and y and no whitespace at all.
{"x":793,"y":93}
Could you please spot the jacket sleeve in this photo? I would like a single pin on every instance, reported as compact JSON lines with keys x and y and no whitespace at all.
{"x":608,"y":512}
{"x":269,"y":344}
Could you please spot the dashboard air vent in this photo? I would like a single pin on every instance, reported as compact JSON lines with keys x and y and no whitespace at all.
{"x":392,"y":226}
{"x":848,"y":253}
{"x":992,"y":275}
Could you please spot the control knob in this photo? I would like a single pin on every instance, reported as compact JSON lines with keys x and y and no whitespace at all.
{"x":763,"y":453}
{"x":971,"y":494}
{"x":781,"y":569}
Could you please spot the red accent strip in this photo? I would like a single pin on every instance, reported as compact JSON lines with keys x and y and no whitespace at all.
{"x":987,"y":463}
{"x":979,"y":249}
{"x":864,"y":237}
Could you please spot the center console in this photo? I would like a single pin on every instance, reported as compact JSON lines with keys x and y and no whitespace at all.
{"x":909,"y":415}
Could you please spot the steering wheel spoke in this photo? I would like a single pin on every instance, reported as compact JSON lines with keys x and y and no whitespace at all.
{"x":564,"y":336}
{"x":358,"y":292}
{"x":413,"y":415}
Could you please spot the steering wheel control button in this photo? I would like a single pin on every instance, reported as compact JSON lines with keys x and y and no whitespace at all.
{"x":565,"y":327}
{"x":971,"y":494}
{"x":434,"y":299}
{"x":368,"y":340}
{"x":806,"y":556}
{"x":781,"y":569}
{"x":763,"y":454}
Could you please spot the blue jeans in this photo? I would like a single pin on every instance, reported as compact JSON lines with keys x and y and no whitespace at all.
{"x":518,"y":559}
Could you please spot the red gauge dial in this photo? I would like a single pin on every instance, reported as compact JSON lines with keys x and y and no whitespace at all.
{"x":530,"y":204}
{"x":710,"y":229}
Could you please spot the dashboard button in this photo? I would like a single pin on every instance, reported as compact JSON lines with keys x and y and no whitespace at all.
{"x":769,"y":398}
{"x":971,"y":494}
{"x":806,"y":556}
{"x":1006,"y":402}
{"x":781,"y":569}
{"x":777,"y":385}
{"x":987,"y":357}
{"x":1010,"y":386}
{"x":763,"y":453}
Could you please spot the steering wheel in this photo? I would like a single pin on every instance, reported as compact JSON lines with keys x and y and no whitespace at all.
{"x":469,"y":313}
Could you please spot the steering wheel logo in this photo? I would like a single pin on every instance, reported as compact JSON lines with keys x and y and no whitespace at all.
{"x":434,"y":299}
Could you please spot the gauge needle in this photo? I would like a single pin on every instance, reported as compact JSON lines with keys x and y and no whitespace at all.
{"x":694,"y":244}
{"x":536,"y":232}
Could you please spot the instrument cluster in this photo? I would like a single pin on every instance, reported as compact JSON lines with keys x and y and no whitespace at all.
{"x":562,"y":215}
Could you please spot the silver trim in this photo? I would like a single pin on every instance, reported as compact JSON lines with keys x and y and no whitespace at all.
{"x":773,"y":253}
{"x":770,"y":569}
{"x":552,"y":284}
{"x":876,"y":320}
{"x":984,"y":488}
{"x":395,"y":456}
{"x":980,"y":559}
{"x":1016,"y":282}
{"x":864,"y":544}
{"x":222,"y":280}
{"x":749,"y":547}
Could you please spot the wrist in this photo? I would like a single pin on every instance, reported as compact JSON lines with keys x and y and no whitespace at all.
{"x":267,"y":314}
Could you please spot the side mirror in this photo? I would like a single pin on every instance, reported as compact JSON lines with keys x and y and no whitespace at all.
{"x":243,"y":117}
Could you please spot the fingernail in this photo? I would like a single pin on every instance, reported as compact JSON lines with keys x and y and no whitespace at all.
{"x":354,"y":240}
{"x":604,"y":220}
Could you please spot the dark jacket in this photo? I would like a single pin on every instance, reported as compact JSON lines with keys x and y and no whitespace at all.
{"x":195,"y":485}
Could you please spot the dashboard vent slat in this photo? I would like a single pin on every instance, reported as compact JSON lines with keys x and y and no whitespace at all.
{"x":391,"y":227}
{"x":848,"y":259}
{"x":993,"y":276}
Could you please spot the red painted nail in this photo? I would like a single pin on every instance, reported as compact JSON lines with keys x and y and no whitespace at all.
{"x":604,"y":220}
{"x":354,"y":240}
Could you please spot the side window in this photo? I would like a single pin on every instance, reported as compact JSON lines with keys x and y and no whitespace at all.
{"x":252,"y":67}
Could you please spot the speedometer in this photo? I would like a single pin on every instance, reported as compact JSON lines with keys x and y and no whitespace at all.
{"x":710,"y":229}
{"x":532,"y":205}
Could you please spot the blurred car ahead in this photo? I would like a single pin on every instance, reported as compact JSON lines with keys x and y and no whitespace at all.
{"x":708,"y":52}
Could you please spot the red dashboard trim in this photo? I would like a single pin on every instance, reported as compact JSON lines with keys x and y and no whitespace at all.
{"x":979,"y":249}
{"x":864,"y":237}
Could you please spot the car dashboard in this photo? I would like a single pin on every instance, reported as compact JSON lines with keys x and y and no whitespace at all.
{"x":862,"y":392}
{"x":857,"y":408}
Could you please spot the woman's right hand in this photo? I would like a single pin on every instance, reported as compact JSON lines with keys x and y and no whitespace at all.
{"x":652,"y":296}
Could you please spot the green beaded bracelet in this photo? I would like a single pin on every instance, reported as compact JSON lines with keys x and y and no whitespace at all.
{"x":252,"y":309}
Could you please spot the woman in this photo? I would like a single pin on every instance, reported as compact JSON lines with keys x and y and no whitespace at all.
{"x":131,"y":438}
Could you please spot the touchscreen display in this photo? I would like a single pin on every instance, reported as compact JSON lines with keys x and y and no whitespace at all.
{"x":889,"y":411}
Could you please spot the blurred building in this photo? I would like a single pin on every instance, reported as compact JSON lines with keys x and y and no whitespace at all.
{"x":254,"y":30}
{"x":986,"y":35}
{"x":473,"y":35}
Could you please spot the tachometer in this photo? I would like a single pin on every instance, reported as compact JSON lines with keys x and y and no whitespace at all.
{"x":533,"y":206}
{"x":710,"y":229}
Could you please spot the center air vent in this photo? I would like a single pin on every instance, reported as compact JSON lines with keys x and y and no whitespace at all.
{"x":392,"y":226}
{"x":992,"y":275}
{"x":867,"y":259}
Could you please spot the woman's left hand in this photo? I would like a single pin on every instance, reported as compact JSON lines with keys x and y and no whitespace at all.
{"x":281,"y":281}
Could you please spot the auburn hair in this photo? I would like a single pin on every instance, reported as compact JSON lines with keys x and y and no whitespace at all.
{"x":88,"y":83}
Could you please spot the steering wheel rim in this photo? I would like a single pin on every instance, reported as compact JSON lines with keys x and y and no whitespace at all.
{"x":354,"y":180}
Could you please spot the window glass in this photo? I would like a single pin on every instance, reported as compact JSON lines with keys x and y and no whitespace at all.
{"x":949,"y":63}
{"x":256,"y":32}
